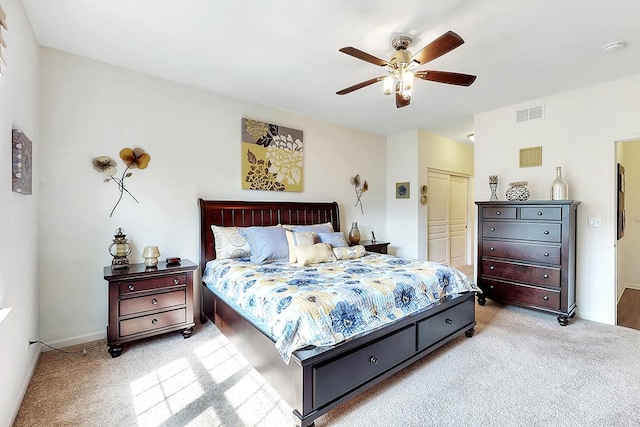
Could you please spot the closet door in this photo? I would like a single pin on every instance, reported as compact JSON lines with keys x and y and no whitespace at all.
{"x":447,"y":219}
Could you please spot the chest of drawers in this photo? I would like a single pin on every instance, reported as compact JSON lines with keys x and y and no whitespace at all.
{"x":149,"y":301}
{"x":527,"y":254}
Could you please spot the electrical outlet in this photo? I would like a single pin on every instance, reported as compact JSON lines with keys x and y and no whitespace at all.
{"x":595,"y":222}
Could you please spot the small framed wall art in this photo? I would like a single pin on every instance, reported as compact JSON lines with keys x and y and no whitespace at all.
{"x":21,"y":163}
{"x":402,"y":190}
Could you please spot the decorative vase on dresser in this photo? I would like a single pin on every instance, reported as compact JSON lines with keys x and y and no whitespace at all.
{"x":527,"y":255}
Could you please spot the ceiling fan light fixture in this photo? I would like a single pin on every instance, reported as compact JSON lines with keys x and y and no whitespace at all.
{"x":406,"y":83}
{"x":389,"y":84}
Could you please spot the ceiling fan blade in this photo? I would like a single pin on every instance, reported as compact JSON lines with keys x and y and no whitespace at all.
{"x":357,"y":53}
{"x":401,"y":102}
{"x":443,"y":44}
{"x":360,"y":85}
{"x":446,"y":77}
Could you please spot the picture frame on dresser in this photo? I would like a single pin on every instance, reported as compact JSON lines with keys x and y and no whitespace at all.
{"x":526,"y":255}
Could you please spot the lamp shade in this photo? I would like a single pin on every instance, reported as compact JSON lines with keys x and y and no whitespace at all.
{"x":150,"y":252}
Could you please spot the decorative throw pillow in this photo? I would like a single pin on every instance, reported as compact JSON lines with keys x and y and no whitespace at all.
{"x":266,"y":243}
{"x":335,"y":239}
{"x":304,"y":238}
{"x":229,"y":243}
{"x":320,"y":252}
{"x":326,"y":227}
{"x":350,"y":252}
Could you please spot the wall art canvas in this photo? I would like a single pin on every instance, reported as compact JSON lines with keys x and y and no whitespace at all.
{"x":272,"y":157}
{"x":21,"y":163}
{"x":402,"y":190}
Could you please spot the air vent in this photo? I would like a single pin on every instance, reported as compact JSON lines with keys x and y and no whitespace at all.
{"x":532,"y":113}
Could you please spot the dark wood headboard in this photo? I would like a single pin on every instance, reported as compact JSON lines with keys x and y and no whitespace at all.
{"x":245,"y":214}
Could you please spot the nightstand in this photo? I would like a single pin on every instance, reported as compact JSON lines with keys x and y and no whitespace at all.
{"x":147,"y":301}
{"x":374,"y":246}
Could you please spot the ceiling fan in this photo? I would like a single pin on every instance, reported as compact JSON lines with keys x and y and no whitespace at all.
{"x":401,"y":67}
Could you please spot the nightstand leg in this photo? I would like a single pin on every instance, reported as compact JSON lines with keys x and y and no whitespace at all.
{"x":186,"y":333}
{"x":115,"y":350}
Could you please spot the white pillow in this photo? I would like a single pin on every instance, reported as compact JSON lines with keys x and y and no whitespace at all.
{"x":320,"y":252}
{"x":351,"y":252}
{"x":230,"y":243}
{"x":306,"y":238}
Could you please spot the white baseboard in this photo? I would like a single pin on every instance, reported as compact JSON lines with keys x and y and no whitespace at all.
{"x":80,"y":339}
{"x":635,"y":286}
{"x":25,"y":385}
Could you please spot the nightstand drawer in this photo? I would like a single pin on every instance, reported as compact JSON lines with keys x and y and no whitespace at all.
{"x":152,"y":322}
{"x":129,"y":286}
{"x":152,"y":302}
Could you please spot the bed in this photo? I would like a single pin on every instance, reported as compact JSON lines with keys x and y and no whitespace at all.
{"x":318,"y":378}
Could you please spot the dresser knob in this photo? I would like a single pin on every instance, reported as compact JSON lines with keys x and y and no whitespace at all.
{"x":176,"y":281}
{"x":448,"y":321}
{"x":154,"y":321}
{"x":546,"y":276}
{"x":546,"y":254}
{"x":154,"y":301}
{"x":492,"y":229}
{"x":373,"y":360}
{"x":491,"y":249}
{"x":546,"y":298}
{"x":491,"y":287}
{"x":539,"y":213}
{"x":498,"y":212}
{"x":493,"y":267}
{"x":546,"y":231}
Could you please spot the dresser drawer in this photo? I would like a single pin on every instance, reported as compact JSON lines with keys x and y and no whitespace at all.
{"x":521,"y":294}
{"x":542,"y":232}
{"x":542,"y":213}
{"x":337,"y":377}
{"x":152,"y":302}
{"x":499,"y":212}
{"x":445,"y":323}
{"x":129,"y":286}
{"x":545,"y":276}
{"x":152,"y":322}
{"x":521,"y":251}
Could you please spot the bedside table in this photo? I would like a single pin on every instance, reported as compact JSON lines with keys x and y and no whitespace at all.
{"x":147,"y":301}
{"x":374,"y":246}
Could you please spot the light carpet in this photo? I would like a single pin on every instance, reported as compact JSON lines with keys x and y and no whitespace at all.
{"x":520,"y":369}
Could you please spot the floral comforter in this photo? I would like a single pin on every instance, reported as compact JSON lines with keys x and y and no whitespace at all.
{"x":324,"y":304}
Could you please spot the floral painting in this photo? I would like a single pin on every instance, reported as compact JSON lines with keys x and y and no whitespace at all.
{"x":21,"y":163}
{"x":272,"y":157}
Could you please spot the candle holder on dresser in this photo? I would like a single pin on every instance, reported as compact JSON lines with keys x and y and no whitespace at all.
{"x":493,"y":185}
{"x":120,"y":249}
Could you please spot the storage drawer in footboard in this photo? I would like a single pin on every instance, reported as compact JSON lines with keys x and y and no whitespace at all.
{"x":439,"y":326}
{"x":341,"y":375}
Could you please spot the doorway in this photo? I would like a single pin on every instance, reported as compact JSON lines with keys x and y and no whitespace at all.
{"x":627,"y":193}
{"x":447,"y":218}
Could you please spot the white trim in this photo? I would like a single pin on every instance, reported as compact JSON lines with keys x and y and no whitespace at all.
{"x":25,"y":384}
{"x":626,"y":286}
{"x":80,"y":339}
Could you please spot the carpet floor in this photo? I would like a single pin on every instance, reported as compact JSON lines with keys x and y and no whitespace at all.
{"x":520,"y":369}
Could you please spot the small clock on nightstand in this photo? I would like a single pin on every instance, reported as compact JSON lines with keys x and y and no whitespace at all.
{"x":374,"y":246}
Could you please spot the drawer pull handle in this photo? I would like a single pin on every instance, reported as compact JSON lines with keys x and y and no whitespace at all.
{"x":154,"y":301}
{"x":154,"y":321}
{"x":491,"y":249}
{"x":131,"y":287}
{"x":493,"y":267}
{"x":546,"y":254}
{"x":176,"y":281}
{"x":498,"y":212}
{"x":491,"y":287}
{"x":546,"y":276}
{"x":448,"y":321}
{"x":492,"y":229}
{"x":373,"y":360}
{"x":546,"y":298}
{"x":546,"y":231}
{"x":539,"y":213}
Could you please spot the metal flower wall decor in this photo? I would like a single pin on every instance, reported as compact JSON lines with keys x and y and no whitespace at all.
{"x":133,"y":158}
{"x":359,"y":187}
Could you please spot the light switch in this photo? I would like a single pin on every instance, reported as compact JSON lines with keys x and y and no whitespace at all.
{"x":595,"y":222}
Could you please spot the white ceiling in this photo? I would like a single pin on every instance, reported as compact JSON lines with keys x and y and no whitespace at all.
{"x":284,"y":53}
